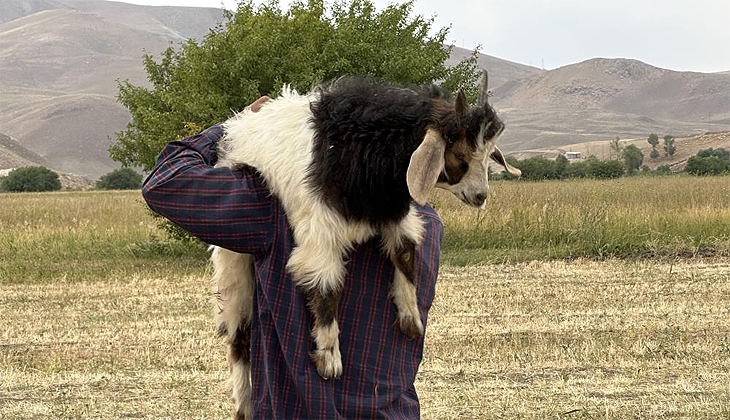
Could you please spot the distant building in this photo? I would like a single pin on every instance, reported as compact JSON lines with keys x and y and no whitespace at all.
{"x":573,"y":155}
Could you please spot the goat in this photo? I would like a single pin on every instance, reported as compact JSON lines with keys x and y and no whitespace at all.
{"x":345,"y":161}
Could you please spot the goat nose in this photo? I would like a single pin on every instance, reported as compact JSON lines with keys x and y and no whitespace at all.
{"x":480,"y":198}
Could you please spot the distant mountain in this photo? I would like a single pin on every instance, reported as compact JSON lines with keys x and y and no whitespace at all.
{"x":500,"y":71}
{"x":599,"y":99}
{"x":59,"y":65}
{"x":172,"y":22}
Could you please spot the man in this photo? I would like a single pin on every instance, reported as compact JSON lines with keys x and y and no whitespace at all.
{"x":234,"y":210}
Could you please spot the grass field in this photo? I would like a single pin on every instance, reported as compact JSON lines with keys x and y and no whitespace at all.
{"x":100,"y":317}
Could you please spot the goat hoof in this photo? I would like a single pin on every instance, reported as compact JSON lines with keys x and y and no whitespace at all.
{"x":328,"y":362}
{"x":411,"y":326}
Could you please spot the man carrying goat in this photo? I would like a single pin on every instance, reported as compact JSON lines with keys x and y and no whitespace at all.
{"x":269,"y":333}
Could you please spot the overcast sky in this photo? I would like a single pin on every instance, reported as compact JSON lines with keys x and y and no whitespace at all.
{"x":675,"y":34}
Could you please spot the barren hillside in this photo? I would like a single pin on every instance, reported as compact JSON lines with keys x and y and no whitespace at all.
{"x":602,"y":98}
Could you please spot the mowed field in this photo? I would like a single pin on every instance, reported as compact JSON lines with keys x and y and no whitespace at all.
{"x":568,"y":300}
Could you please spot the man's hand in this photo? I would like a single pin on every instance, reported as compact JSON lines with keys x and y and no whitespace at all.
{"x":254,"y":107}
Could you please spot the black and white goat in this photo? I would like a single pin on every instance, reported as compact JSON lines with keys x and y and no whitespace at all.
{"x":345,"y":161}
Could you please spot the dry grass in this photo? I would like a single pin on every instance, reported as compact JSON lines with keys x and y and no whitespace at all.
{"x":606,"y":339}
{"x":100,"y":318}
{"x":580,"y":340}
{"x":663,"y":216}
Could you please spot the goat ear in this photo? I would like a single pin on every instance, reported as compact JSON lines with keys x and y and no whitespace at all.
{"x":426,"y":165}
{"x":498,"y":157}
{"x":484,"y":90}
{"x":461,"y":105}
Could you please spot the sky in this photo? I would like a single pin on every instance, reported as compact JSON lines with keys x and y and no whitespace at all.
{"x":684,"y":35}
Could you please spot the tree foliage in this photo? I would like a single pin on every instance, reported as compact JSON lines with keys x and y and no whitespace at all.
{"x":669,"y":147}
{"x":120,"y":179}
{"x":616,"y":146}
{"x":653,"y":139}
{"x":709,"y":162}
{"x":260,"y":48}
{"x":633,"y":158}
{"x":31,"y":179}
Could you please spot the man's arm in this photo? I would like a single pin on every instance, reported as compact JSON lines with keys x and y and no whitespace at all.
{"x":230,"y":209}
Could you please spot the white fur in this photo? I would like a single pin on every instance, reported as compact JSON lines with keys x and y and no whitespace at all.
{"x":234,"y":279}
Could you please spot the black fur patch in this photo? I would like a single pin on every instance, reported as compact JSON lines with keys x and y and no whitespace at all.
{"x":365,"y":134}
{"x":240,"y":347}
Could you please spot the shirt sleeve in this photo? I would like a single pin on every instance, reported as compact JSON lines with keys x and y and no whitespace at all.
{"x":223,"y":207}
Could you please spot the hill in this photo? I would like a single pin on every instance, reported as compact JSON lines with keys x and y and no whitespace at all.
{"x":59,"y":65}
{"x":500,"y":71}
{"x":599,"y":99}
{"x":14,"y":155}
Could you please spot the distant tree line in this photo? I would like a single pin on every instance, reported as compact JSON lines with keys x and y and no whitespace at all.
{"x":538,"y":168}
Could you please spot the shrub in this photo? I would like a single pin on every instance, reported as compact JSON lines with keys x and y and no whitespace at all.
{"x":663,"y":170}
{"x":31,"y":179}
{"x":576,"y":170}
{"x":120,"y":179}
{"x":712,"y":165}
{"x":538,"y":168}
{"x":719,"y":153}
{"x":604,"y":169}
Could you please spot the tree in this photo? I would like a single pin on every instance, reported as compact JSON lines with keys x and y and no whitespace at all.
{"x":561,"y":163}
{"x":120,"y":179}
{"x":669,"y":147}
{"x":31,"y":178}
{"x":653,"y":140}
{"x":616,"y":146}
{"x":654,"y":154}
{"x":260,"y":48}
{"x":633,"y":158}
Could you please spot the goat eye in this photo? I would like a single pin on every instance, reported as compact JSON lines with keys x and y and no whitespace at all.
{"x":459,"y":156}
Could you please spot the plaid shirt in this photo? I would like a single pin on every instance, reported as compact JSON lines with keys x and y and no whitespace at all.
{"x":234,"y":210}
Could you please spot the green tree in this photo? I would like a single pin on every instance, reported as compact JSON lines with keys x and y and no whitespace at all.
{"x":712,"y":165}
{"x":616,"y":146}
{"x":561,"y":163}
{"x":653,"y":140}
{"x":669,"y":147}
{"x":576,"y":170}
{"x":31,"y":178}
{"x":120,"y":179}
{"x":633,"y":158}
{"x":260,"y":48}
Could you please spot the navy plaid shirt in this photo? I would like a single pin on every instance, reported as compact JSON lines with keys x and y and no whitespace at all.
{"x":234,"y":210}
